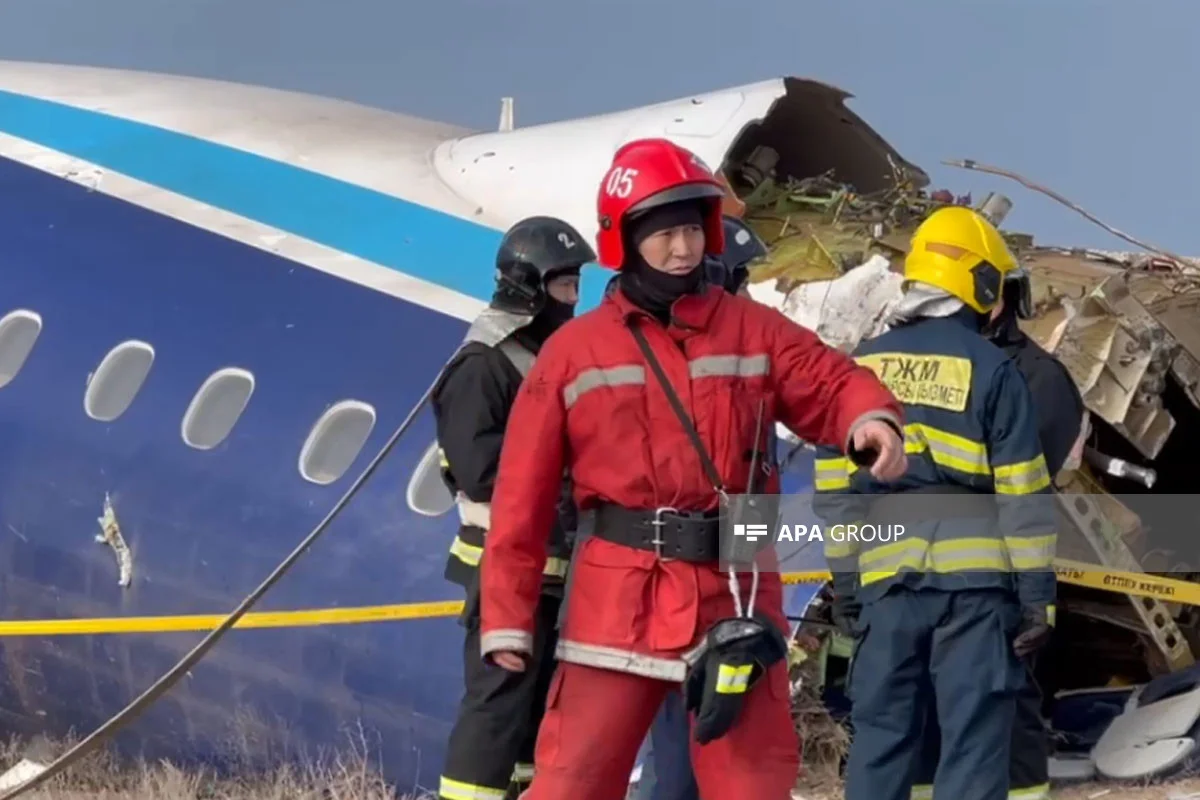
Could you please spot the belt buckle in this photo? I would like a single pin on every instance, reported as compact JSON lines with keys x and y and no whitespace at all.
{"x":658,"y":524}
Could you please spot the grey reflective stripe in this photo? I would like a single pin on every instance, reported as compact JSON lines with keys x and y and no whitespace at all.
{"x":595,"y":378}
{"x":519,"y":355}
{"x":594,"y":655}
{"x":729,"y":366}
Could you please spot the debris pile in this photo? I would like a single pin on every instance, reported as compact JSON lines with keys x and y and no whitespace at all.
{"x":1126,"y":326}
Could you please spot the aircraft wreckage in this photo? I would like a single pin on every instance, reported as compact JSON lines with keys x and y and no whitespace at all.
{"x":1126,"y":326}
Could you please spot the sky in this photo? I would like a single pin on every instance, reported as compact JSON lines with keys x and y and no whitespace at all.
{"x":1089,"y":97}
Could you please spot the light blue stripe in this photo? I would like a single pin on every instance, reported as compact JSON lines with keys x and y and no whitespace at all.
{"x":398,"y":234}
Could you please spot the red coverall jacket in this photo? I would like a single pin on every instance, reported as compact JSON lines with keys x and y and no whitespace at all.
{"x":592,"y":405}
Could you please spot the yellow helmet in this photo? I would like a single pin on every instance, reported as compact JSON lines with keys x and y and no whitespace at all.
{"x":958,"y":250}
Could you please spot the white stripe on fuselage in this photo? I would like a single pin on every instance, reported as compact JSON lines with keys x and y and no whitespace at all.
{"x":241,"y":229}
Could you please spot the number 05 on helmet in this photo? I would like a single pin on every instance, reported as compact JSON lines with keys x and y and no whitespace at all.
{"x":646,"y":174}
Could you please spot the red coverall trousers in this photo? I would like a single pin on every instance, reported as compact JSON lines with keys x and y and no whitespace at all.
{"x":596,"y":720}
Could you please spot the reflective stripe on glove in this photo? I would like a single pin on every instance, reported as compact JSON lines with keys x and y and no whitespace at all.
{"x":736,"y":652}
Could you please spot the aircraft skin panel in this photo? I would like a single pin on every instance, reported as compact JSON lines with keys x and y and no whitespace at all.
{"x":431,"y":295}
{"x":205,"y":527}
{"x":404,"y":236}
{"x":369,"y":147}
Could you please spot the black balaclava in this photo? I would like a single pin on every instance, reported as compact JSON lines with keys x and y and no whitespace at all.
{"x":1004,"y":331}
{"x":554,"y":313}
{"x":650,"y":289}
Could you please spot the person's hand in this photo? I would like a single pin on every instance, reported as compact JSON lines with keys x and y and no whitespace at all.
{"x":1037,"y":625}
{"x":881,"y":439}
{"x":509,"y":660}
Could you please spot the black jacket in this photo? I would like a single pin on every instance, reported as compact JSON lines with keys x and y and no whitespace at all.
{"x":471,"y":403}
{"x":1059,"y":404}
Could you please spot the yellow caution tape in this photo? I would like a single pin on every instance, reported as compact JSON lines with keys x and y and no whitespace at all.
{"x":1078,"y":573}
{"x":254,"y":619}
{"x":1168,"y":590}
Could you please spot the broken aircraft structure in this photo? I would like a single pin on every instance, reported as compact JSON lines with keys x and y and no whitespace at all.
{"x":1124,"y":325}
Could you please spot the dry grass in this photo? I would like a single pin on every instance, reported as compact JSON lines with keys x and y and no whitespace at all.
{"x":825,"y":741}
{"x":348,"y":775}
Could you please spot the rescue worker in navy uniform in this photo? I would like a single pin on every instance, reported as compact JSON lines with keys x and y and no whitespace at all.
{"x":968,"y":589}
{"x":666,"y":765}
{"x":1060,"y":413}
{"x":490,"y":752}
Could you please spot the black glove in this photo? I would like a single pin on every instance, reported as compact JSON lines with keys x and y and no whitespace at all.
{"x":845,"y":611}
{"x":735,"y":654}
{"x":1037,"y":624}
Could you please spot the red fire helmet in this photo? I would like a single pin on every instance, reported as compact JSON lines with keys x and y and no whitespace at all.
{"x":645,"y":174}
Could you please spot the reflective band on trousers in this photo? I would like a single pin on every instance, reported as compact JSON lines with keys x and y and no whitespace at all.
{"x":522,"y":773}
{"x":716,"y":366}
{"x":457,"y":790}
{"x":733,"y":680}
{"x":472,"y":513}
{"x":470,"y":555}
{"x":1042,"y":792}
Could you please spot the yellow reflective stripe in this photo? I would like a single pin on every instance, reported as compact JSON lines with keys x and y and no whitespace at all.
{"x":1025,"y":477}
{"x":1051,"y":613}
{"x":831,"y":474}
{"x":733,"y":680}
{"x":457,"y":790}
{"x":1031,"y":552}
{"x":1040,"y":792}
{"x":732,"y":366}
{"x":522,"y":773}
{"x":631,"y":375}
{"x":470,"y":555}
{"x":915,"y":553}
{"x":442,"y":459}
{"x":948,"y":449}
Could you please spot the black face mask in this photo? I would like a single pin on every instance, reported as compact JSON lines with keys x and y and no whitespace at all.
{"x":554,"y":315}
{"x":654,"y":291}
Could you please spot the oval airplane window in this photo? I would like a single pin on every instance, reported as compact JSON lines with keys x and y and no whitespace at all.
{"x":117,"y":380}
{"x":427,"y":493}
{"x":19,"y":331}
{"x":216,"y":407}
{"x":335,"y":441}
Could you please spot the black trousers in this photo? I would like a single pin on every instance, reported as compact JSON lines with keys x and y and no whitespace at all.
{"x":490,"y":753}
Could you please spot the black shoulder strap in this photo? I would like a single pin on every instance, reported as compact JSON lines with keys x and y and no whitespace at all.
{"x":710,"y":469}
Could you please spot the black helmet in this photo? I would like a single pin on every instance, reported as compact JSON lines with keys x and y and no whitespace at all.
{"x":742,"y":246}
{"x":530,"y":253}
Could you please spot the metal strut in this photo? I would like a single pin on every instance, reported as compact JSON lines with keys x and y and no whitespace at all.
{"x":163,"y":684}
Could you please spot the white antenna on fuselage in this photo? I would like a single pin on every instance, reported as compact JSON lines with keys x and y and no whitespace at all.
{"x":506,"y":114}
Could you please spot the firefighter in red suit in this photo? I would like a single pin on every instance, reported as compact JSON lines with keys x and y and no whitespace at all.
{"x":646,"y":584}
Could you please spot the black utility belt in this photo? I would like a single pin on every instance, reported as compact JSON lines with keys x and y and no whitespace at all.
{"x":669,"y":534}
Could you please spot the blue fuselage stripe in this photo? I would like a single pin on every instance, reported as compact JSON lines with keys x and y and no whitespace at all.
{"x":404,"y":236}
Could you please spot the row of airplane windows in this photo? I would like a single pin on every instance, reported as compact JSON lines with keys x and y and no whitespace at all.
{"x":333,"y":443}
